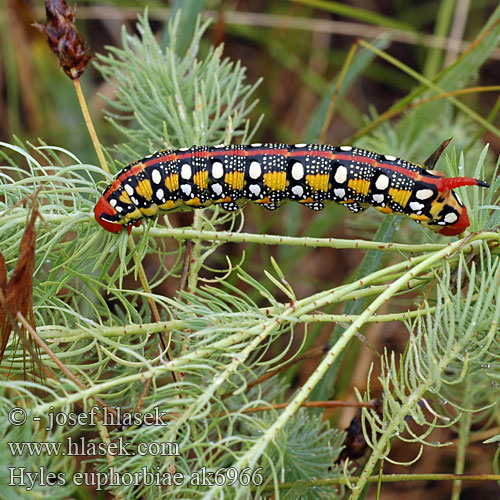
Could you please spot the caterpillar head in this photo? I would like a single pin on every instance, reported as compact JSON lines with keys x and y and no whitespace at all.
{"x":106,"y":215}
{"x":448,"y":213}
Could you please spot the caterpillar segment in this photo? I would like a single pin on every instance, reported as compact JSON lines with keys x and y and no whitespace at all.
{"x":270,"y":174}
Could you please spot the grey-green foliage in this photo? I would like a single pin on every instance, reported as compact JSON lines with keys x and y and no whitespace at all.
{"x":450,"y":365}
{"x":174,"y":101}
{"x":52,"y":467}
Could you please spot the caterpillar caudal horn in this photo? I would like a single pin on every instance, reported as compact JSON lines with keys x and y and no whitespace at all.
{"x":454,"y":182}
{"x":270,"y":174}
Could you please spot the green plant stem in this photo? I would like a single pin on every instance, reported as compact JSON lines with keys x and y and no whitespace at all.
{"x":389,"y":478}
{"x":443,"y":22}
{"x":266,"y":239}
{"x":365,"y":15}
{"x":463,"y":440}
{"x":58,"y":333}
{"x":163,"y":343}
{"x":195,"y":261}
{"x":331,"y":107}
{"x":349,"y":318}
{"x":90,"y":126}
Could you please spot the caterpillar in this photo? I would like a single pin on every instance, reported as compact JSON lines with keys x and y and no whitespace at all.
{"x":269,"y":174}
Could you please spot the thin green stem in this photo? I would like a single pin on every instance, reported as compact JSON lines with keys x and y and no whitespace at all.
{"x":90,"y":125}
{"x":464,"y":429}
{"x":331,"y":107}
{"x":388,"y":478}
{"x":195,"y":261}
{"x":442,"y":26}
{"x":267,"y":239}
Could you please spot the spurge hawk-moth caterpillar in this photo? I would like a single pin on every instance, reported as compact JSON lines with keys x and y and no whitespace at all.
{"x":269,"y":174}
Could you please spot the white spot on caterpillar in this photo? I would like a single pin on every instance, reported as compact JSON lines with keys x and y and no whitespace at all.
{"x":119,"y":209}
{"x":450,"y":218}
{"x":297,"y":171}
{"x":217,"y":189}
{"x":378,"y":198}
{"x":135,"y":200}
{"x":298,"y":190}
{"x":346,"y":148}
{"x":156,"y":176}
{"x":415,"y":205}
{"x":341,"y":174}
{"x":186,"y":189}
{"x":113,"y":203}
{"x":255,"y":170}
{"x":390,"y":157}
{"x":423,"y":194}
{"x":220,"y":146}
{"x":382,"y":182}
{"x":301,"y":145}
{"x":217,"y":170}
{"x":256,"y":145}
{"x":129,"y":189}
{"x":254,"y":189}
{"x":186,"y":171}
{"x":160,"y":194}
{"x":183,"y":149}
{"x":339,"y":192}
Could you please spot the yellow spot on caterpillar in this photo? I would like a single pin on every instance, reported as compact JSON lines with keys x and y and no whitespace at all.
{"x":384,"y":210}
{"x":200,"y":179}
{"x":125,"y":198}
{"x":144,"y":189}
{"x":400,"y":196}
{"x":360,"y":186}
{"x":263,"y":200}
{"x":319,"y":182}
{"x":227,"y":199}
{"x":172,"y":182}
{"x":135,"y":215}
{"x":149,"y":211}
{"x":438,"y":204}
{"x":419,"y":217}
{"x":276,"y":181}
{"x":234,"y":180}
{"x":194,"y":202}
{"x":306,"y":200}
{"x":169,"y":205}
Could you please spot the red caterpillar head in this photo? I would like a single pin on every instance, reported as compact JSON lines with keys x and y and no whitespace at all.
{"x":106,"y":215}
{"x":449,"y":214}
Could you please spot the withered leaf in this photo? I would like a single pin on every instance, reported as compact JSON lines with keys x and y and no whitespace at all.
{"x":16,"y":294}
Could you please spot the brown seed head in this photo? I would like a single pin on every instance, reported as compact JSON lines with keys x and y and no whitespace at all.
{"x":64,"y":39}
